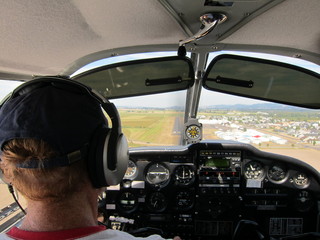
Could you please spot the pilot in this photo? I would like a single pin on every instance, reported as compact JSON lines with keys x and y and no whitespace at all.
{"x":56,"y":147}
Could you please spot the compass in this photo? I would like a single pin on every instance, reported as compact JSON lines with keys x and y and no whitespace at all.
{"x":193,"y":132}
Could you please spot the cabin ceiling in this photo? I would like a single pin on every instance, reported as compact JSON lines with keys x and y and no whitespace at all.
{"x":45,"y":37}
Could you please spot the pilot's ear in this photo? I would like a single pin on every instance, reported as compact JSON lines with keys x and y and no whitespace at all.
{"x":4,"y":178}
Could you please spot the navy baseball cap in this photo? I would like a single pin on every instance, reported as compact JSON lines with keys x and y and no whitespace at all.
{"x":65,"y":118}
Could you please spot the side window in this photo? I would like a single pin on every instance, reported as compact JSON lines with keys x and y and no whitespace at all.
{"x":8,"y":207}
{"x":149,"y":120}
{"x":6,"y":87}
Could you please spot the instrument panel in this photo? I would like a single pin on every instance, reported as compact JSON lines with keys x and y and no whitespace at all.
{"x":203,"y":190}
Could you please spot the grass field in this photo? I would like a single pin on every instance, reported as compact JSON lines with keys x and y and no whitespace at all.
{"x":149,"y":127}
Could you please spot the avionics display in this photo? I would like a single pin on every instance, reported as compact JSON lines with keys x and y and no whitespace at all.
{"x":219,"y":159}
{"x":217,"y":162}
{"x":219,"y":168}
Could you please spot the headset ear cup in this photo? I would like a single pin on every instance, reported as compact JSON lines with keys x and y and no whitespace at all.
{"x":95,"y":161}
{"x":99,"y":150}
{"x":114,"y":176}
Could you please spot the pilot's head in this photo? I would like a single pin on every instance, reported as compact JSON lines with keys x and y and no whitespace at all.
{"x":54,"y":138}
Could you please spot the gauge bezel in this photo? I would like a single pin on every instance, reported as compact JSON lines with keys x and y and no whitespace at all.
{"x":278,"y":181}
{"x":300,"y":186}
{"x":163,"y":197}
{"x":262,"y":175}
{"x":135,"y":174}
{"x":176,"y":177}
{"x":161,"y":184}
{"x":120,"y":206}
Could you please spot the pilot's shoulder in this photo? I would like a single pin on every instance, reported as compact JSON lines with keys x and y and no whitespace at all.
{"x":117,"y":235}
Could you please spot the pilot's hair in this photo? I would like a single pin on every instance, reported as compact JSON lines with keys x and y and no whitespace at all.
{"x":53,"y":184}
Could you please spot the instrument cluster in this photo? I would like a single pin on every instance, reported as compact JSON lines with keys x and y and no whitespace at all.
{"x":159,"y":175}
{"x":199,"y":192}
{"x":157,"y":186}
{"x":154,"y":187}
{"x":275,"y":173}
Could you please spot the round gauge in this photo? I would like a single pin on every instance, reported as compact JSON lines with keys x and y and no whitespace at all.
{"x":157,"y":202}
{"x":184,"y":174}
{"x":193,"y":132}
{"x":184,"y":200}
{"x":127,"y":201}
{"x":277,"y":174}
{"x":301,"y":180}
{"x":132,"y":170}
{"x":254,"y":170}
{"x":157,"y":174}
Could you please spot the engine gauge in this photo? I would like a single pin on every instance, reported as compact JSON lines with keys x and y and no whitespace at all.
{"x":277,"y":174}
{"x":157,"y":174}
{"x":254,"y":170}
{"x":184,"y":174}
{"x":301,"y":180}
{"x":132,"y":170}
{"x":157,"y":202}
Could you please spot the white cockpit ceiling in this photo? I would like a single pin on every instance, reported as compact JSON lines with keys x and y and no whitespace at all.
{"x":46,"y":37}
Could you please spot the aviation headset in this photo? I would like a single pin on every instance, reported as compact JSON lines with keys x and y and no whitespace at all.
{"x":107,"y":152}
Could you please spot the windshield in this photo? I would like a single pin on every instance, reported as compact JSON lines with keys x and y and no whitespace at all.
{"x":153,"y":120}
{"x":270,"y":127}
{"x":158,"y":119}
